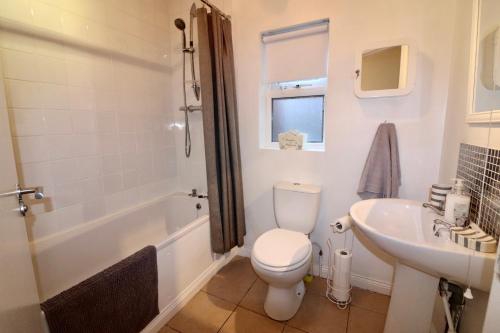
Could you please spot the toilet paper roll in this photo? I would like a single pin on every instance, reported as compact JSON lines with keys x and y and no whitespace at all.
{"x":342,"y":260}
{"x":342,"y":224}
{"x":342,"y":275}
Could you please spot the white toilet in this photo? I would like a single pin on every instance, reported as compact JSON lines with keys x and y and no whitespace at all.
{"x":282,"y":256}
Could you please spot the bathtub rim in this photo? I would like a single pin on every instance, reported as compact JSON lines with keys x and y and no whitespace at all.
{"x":44,"y":243}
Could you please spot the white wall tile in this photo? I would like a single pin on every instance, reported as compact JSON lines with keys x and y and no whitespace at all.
{"x":105,"y":100}
{"x":111,"y":164}
{"x":35,"y":174}
{"x":90,"y":167}
{"x":86,"y":145}
{"x":58,"y":122}
{"x":106,"y":122}
{"x":128,"y":142}
{"x":108,"y":143}
{"x":81,"y":98}
{"x":144,"y":141}
{"x":26,"y":122}
{"x":54,"y":96}
{"x":113,"y":183}
{"x":68,"y":194}
{"x":65,"y":171}
{"x":23,"y":94}
{"x":126,"y":122}
{"x":86,"y":123}
{"x":79,"y":73}
{"x":14,"y":65}
{"x":92,"y":188}
{"x":61,"y":146}
{"x":93,"y":208}
{"x":31,"y":149}
{"x":51,"y":69}
{"x":130,"y":179}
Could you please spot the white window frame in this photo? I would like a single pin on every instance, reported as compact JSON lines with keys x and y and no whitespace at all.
{"x":273,"y":91}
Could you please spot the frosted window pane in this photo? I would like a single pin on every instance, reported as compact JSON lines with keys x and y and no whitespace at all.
{"x":304,"y":114}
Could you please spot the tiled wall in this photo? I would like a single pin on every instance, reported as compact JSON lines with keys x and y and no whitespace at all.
{"x":87,"y":86}
{"x":191,"y":171}
{"x":480,"y":167}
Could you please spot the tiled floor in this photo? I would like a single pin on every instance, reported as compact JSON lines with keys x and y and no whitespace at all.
{"x":233,"y":302}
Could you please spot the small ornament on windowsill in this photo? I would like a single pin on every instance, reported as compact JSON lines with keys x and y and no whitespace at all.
{"x":292,"y":140}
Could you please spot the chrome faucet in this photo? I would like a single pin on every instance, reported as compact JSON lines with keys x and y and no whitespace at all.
{"x":441,"y":225}
{"x":194,"y":193}
{"x":439,"y":211}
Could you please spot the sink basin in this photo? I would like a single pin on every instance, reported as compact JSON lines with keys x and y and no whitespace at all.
{"x":403,"y":228}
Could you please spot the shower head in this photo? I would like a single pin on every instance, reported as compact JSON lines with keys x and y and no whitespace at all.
{"x":180,"y":24}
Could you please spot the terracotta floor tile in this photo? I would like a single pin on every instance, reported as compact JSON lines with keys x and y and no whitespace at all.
{"x":245,"y":321}
{"x":317,"y":286}
{"x":232,"y":282}
{"x":318,"y":315}
{"x":365,"y":321}
{"x":289,"y":329}
{"x":370,"y":300}
{"x":203,"y":314}
{"x":167,"y":329}
{"x":254,"y":299}
{"x":212,"y":310}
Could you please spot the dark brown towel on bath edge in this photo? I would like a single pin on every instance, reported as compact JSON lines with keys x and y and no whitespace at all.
{"x":123,"y":298}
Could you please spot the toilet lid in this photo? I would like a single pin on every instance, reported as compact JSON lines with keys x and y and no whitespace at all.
{"x":281,"y":248}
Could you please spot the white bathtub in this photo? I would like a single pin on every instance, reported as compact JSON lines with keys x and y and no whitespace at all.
{"x":179,"y":230}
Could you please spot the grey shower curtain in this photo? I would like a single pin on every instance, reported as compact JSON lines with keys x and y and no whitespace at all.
{"x":220,"y":130}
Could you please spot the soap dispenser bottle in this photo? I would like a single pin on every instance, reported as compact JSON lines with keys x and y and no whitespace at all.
{"x":457,"y":204}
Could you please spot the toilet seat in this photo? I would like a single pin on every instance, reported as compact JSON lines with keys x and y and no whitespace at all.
{"x":282,"y":250}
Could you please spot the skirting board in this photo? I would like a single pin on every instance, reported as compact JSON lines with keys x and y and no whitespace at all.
{"x":363,"y":282}
{"x":188,"y":293}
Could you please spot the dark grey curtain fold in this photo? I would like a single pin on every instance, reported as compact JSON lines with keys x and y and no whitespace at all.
{"x":220,"y":130}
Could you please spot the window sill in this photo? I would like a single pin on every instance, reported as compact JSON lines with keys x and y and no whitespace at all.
{"x":319,"y":148}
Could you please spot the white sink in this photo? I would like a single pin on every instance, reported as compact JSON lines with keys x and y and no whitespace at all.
{"x":404,"y":229}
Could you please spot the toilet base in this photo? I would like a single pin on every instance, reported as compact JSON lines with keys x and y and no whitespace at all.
{"x":283,"y":303}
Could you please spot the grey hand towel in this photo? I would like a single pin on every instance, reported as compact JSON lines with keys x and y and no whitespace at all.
{"x":122,"y":298}
{"x":381,"y":176}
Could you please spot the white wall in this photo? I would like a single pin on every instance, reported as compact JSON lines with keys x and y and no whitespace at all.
{"x":88,"y":92}
{"x":350,"y":122}
{"x":456,"y":129}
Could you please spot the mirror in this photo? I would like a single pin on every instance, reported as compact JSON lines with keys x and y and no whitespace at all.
{"x":383,"y":71}
{"x":485,"y":60}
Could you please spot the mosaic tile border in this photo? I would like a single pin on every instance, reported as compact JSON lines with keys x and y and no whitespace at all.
{"x":480,"y":168}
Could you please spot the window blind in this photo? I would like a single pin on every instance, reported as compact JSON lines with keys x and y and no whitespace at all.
{"x":296,"y":53}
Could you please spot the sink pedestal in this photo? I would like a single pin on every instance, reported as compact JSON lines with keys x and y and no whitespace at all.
{"x":412,"y":301}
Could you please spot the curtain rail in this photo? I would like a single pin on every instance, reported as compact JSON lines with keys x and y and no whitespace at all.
{"x":214,"y":7}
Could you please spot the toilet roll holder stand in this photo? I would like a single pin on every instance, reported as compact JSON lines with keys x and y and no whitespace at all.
{"x":332,"y":289}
